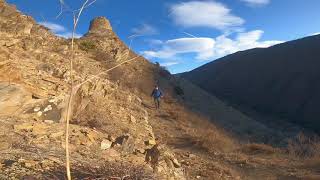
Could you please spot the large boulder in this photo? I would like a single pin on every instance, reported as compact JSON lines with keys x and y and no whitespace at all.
{"x":164,"y":163}
{"x":12,"y":98}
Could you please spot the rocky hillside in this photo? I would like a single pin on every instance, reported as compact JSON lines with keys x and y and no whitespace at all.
{"x":115,"y":132}
{"x":281,"y":81}
{"x":109,"y":123}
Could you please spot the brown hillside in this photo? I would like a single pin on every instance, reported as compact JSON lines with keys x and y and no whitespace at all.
{"x":115,"y":132}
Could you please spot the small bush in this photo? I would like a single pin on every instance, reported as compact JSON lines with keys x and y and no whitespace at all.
{"x":87,"y":45}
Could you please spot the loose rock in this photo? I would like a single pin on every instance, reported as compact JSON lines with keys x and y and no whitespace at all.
{"x":151,"y":142}
{"x":36,"y":109}
{"x":105,"y":144}
{"x":133,"y":119}
{"x":176,"y":163}
{"x":39,"y":114}
{"x":48,"y":121}
{"x":48,"y":108}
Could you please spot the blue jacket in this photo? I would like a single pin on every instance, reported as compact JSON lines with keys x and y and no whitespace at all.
{"x":156,"y":93}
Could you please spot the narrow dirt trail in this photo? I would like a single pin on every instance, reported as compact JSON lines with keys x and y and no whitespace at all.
{"x":171,"y":125}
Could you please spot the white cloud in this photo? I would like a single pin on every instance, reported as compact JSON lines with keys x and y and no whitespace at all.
{"x":204,"y":14}
{"x":59,"y":30}
{"x":314,"y":34}
{"x":69,"y":35}
{"x":145,"y":29}
{"x":201,"y":46}
{"x":167,"y":64}
{"x":256,"y":2}
{"x":155,"y":41}
{"x":243,"y":41}
{"x":210,"y":48}
{"x":53,"y":26}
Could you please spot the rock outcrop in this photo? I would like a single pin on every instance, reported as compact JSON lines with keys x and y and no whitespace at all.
{"x":100,"y":25}
{"x":104,"y":42}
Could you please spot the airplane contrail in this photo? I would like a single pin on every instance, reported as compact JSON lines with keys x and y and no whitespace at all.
{"x":189,"y":34}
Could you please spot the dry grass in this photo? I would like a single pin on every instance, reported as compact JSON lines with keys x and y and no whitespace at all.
{"x":304,"y":147}
{"x":117,"y":171}
{"x":254,"y":148}
{"x":211,"y":139}
{"x":306,"y":150}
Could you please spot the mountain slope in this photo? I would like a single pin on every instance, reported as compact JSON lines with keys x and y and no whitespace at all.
{"x":281,"y":80}
{"x":115,"y":132}
{"x":111,"y":136}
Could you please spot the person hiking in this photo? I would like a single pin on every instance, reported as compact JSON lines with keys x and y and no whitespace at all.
{"x":156,"y":94}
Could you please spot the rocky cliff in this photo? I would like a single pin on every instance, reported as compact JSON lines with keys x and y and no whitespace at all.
{"x":109,"y":124}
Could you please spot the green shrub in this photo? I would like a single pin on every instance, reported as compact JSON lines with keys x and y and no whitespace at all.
{"x":87,"y":45}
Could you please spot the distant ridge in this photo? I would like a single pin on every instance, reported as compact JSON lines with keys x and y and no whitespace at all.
{"x":282,"y":81}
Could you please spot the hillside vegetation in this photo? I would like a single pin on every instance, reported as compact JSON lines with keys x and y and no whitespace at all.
{"x":115,"y":131}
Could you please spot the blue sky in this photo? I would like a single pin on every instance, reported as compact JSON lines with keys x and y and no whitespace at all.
{"x":183,"y":35}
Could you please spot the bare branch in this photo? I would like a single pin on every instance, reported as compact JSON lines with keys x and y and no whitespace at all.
{"x":73,"y":90}
{"x":65,"y":8}
{"x":79,"y":13}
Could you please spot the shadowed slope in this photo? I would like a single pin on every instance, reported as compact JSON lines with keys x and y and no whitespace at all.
{"x":282,"y":80}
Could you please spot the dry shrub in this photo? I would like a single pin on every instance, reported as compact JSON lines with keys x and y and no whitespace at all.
{"x":303,"y":146}
{"x":254,"y":148}
{"x":107,"y":171}
{"x":164,"y":72}
{"x":212,"y":139}
{"x":87,"y":45}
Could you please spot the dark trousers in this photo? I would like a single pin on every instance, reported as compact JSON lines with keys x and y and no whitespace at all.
{"x":157,"y":102}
